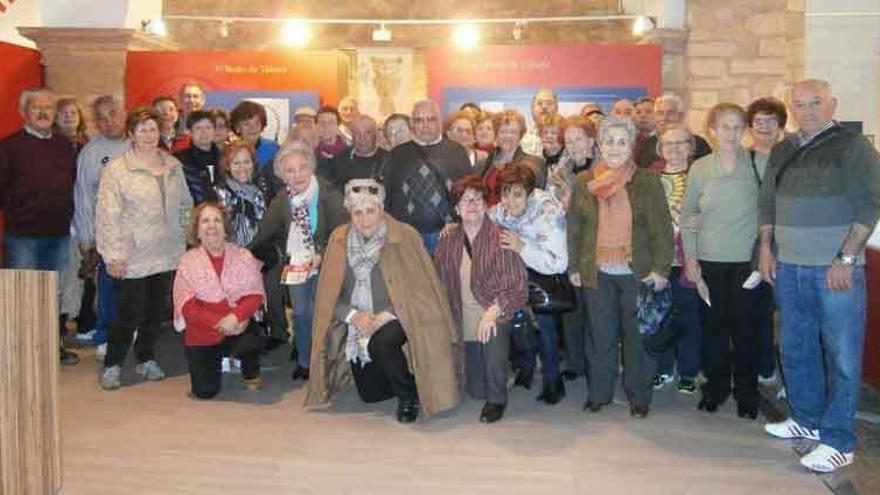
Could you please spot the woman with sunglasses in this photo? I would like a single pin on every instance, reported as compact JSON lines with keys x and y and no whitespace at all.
{"x":377,"y":296}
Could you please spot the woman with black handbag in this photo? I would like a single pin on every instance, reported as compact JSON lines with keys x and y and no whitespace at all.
{"x":534,"y":223}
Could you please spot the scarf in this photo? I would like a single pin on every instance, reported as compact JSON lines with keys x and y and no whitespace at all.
{"x":363,"y":254}
{"x":248,"y":208}
{"x":614,"y":235}
{"x":303,"y":219}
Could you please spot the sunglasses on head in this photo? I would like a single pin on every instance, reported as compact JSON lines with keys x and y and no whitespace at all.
{"x":368,"y":189}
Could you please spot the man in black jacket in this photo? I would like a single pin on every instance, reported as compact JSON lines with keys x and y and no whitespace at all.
{"x":362,"y":160}
{"x":668,"y":112}
{"x":202,"y":158}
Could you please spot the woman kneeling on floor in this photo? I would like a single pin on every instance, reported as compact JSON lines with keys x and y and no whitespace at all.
{"x":217,"y":290}
{"x":378,"y":295}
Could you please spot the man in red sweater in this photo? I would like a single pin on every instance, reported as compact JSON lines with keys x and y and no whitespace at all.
{"x":37,"y":169}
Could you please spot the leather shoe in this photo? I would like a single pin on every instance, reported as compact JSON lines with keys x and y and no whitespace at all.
{"x":523,"y":380}
{"x":707,"y":405}
{"x":492,"y":412}
{"x":568,"y":375}
{"x":553,"y":392}
{"x":408,"y":411}
{"x":638,"y":410}
{"x":300,"y":373}
{"x":594,"y":406}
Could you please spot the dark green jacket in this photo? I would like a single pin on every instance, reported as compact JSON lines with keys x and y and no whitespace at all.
{"x":270,"y":242}
{"x":652,"y":237}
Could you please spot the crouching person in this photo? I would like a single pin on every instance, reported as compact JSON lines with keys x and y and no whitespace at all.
{"x":217,"y":290}
{"x":381,"y":317}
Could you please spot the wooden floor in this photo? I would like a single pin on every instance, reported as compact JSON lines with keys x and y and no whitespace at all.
{"x":149,"y":438}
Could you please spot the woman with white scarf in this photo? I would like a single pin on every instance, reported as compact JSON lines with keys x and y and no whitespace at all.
{"x":297,"y":225}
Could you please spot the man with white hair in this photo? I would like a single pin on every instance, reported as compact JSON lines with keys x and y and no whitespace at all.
{"x":668,"y":112}
{"x":421,"y":172}
{"x":819,"y":203}
{"x":37,"y":171}
{"x":544,"y":105}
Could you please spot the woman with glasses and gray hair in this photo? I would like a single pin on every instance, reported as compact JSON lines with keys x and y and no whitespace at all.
{"x":619,"y":235}
{"x":378,"y":296}
{"x":295,"y":229}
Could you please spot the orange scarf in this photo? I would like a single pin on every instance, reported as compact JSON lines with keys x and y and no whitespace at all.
{"x":614,"y":233}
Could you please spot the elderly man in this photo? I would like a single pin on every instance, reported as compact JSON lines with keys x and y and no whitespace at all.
{"x":190,"y":99}
{"x":305,"y":117}
{"x":544,"y":105}
{"x":819,"y":202}
{"x":348,"y":110}
{"x":330,"y":140}
{"x":37,"y":171}
{"x":421,"y":172}
{"x":668,"y":113}
{"x":623,"y":108}
{"x":643,"y":117}
{"x":109,"y":144}
{"x":397,"y":129}
{"x":363,"y":160}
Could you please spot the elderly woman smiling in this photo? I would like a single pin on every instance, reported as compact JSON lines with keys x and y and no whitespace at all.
{"x":218,"y":287}
{"x":377,"y":295}
{"x":619,"y":232}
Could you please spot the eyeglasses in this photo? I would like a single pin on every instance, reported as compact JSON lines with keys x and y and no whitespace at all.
{"x":471,"y":200}
{"x":675,"y":143}
{"x":374,"y":190}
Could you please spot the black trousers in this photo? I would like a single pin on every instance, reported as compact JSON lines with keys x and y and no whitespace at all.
{"x":204,"y":366}
{"x":730,"y":335}
{"x":142,"y":304}
{"x":387,"y":374}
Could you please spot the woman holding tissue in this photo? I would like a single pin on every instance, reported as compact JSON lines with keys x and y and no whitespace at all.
{"x":377,"y":296}
{"x":297,"y":224}
{"x":722,"y":191}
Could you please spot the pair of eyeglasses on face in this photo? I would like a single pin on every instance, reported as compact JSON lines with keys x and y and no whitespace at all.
{"x":471,"y":200}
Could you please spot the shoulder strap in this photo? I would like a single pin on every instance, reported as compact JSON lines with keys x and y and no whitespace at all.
{"x":467,"y":244}
{"x":752,"y":154}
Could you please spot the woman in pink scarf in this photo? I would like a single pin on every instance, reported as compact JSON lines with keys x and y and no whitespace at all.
{"x":217,"y":289}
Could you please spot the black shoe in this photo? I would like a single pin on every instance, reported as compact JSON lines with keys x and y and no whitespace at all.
{"x":300,"y":373}
{"x":68,"y":358}
{"x":523,"y":380}
{"x":569,"y":375}
{"x":294,"y":354}
{"x":707,"y":405}
{"x":553,"y":392}
{"x":747,"y":412}
{"x":638,"y":410}
{"x":594,"y":406}
{"x":273,"y":343}
{"x":407,"y":411}
{"x":492,"y":412}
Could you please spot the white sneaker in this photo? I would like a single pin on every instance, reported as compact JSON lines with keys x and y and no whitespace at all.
{"x":111,"y":378}
{"x":150,"y":370}
{"x":767,"y":381}
{"x":826,"y":459}
{"x":100,"y":353}
{"x":790,"y":429}
{"x":86,"y":336}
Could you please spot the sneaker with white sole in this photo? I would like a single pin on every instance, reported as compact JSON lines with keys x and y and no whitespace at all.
{"x":826,"y":459}
{"x":100,"y":352}
{"x":660,"y":380}
{"x":111,"y":378}
{"x":86,"y":336}
{"x":150,"y":370}
{"x":790,"y":429}
{"x":768,"y":381}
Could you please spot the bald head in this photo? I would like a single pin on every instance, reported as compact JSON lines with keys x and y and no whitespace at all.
{"x":364,"y":135}
{"x":544,"y":104}
{"x":426,"y":121}
{"x":812,"y":104}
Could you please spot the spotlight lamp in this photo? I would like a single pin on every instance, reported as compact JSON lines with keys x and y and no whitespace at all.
{"x":156,"y":27}
{"x":296,"y":33}
{"x":642,"y":25}
{"x":224,"y":29}
{"x":466,"y":36}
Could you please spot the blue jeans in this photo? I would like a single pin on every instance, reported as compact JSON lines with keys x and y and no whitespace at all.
{"x":430,"y":241}
{"x":36,"y":253}
{"x":302,"y":297}
{"x":686,"y":316}
{"x":548,"y":347}
{"x":106,"y":305}
{"x":821,"y":340}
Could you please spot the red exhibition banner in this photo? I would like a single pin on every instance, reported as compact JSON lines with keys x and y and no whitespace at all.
{"x":150,"y":74}
{"x":21,"y":71}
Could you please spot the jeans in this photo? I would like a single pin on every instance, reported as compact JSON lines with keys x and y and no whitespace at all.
{"x":548,"y":347}
{"x":302,"y":297}
{"x":686,"y":316}
{"x":106,"y":304}
{"x":36,"y":253}
{"x":764,"y":322}
{"x":821,"y":341}
{"x":430,"y":241}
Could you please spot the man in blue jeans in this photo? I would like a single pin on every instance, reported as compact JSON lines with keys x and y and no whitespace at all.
{"x":819,"y":202}
{"x":37,"y":169}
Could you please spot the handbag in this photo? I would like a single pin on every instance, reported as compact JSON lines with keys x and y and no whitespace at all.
{"x":550,"y":294}
{"x":654,"y":312}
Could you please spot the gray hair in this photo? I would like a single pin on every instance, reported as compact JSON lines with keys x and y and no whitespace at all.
{"x":682,"y":128}
{"x":294,"y":148}
{"x":105,"y":100}
{"x":671,"y":98}
{"x":356,"y":197}
{"x":430,"y":103}
{"x":29,"y":94}
{"x":613,"y":122}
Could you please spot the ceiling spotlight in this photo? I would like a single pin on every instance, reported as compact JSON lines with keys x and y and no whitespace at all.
{"x":224,"y":29}
{"x":156,"y":27}
{"x":518,"y":30}
{"x":296,"y":33}
{"x":382,"y":34}
{"x":642,"y":25}
{"x":466,"y":36}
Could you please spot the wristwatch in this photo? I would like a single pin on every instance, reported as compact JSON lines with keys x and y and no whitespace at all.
{"x":846,"y":259}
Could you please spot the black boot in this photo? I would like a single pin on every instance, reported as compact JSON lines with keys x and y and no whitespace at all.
{"x":492,"y":412}
{"x":553,"y":392}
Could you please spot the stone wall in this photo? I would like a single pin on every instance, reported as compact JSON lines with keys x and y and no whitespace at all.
{"x":740,"y":50}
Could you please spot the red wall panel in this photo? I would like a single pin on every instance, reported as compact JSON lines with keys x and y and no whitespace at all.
{"x":871,"y":360}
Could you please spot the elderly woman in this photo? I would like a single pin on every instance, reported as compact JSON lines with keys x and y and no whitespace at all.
{"x":511,"y":127}
{"x":459,"y":127}
{"x":248,"y":119}
{"x":534,"y":227}
{"x":377,"y":297}
{"x":217,"y":289}
{"x":484,"y":132}
{"x":552,"y":139}
{"x":298,"y":224}
{"x":239,"y":191}
{"x":722,"y":190}
{"x":676,"y":147}
{"x":619,"y":235}
{"x":579,"y":136}
{"x":168,"y":111}
{"x":70,"y":121}
{"x":140,"y":222}
{"x":487,"y":287}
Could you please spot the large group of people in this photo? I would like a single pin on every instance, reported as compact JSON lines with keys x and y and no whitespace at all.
{"x":422,"y":256}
